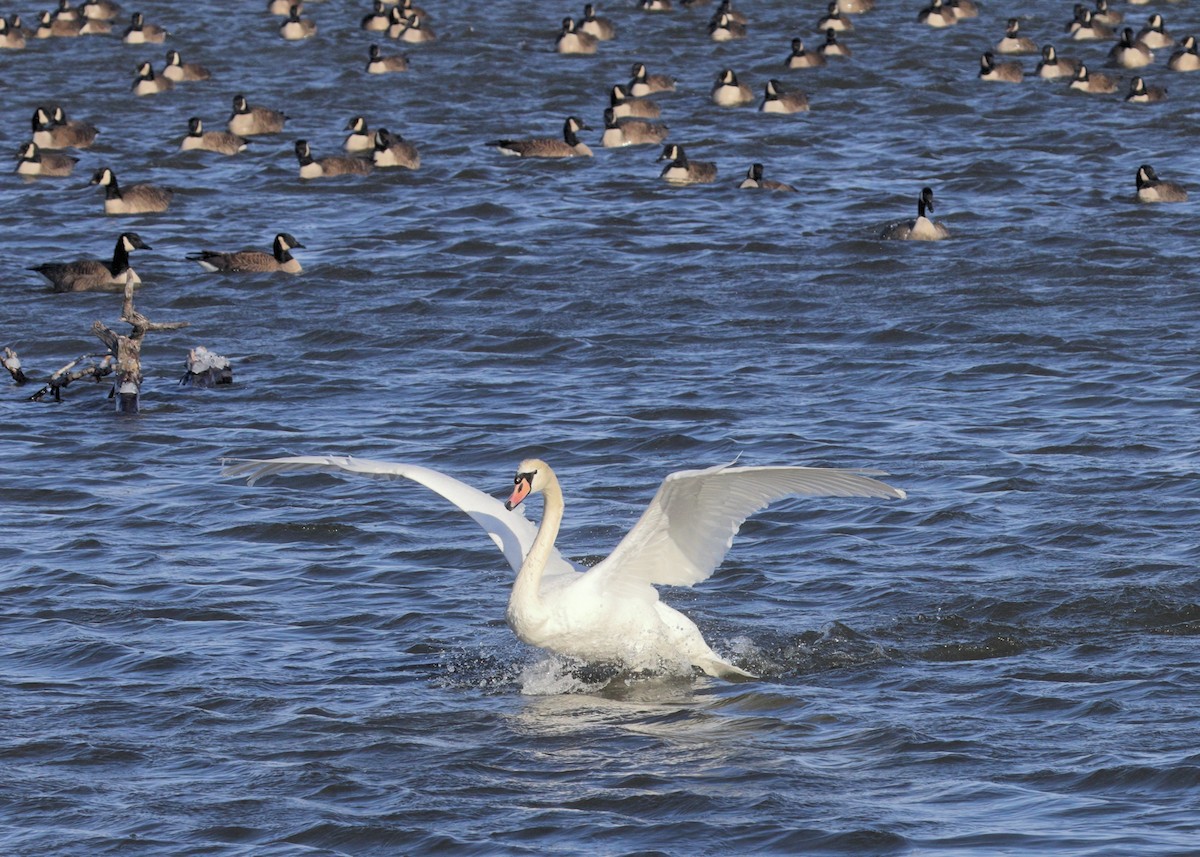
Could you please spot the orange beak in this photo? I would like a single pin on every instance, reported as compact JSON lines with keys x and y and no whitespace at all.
{"x":520,"y":492}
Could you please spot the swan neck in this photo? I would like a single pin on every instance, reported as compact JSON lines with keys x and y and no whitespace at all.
{"x":525,"y":593}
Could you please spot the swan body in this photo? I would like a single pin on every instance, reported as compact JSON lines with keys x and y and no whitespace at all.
{"x":611,"y":613}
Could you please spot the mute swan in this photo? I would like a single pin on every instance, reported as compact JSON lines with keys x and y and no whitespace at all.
{"x":610,"y":612}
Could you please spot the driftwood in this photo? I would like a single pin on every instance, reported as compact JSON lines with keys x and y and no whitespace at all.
{"x":206,"y":369}
{"x":127,"y":351}
{"x":69,"y":373}
{"x":12,"y":363}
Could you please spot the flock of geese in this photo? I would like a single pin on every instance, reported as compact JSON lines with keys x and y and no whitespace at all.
{"x":632,"y":117}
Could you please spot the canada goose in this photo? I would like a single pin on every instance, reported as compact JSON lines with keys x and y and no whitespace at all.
{"x":800,"y":58}
{"x":1094,"y":84}
{"x":139,"y":32}
{"x":94,"y":27}
{"x":725,"y":7}
{"x":377,"y":63}
{"x":622,"y":105}
{"x":754,"y":181}
{"x":569,"y":146}
{"x":378,"y":20}
{"x":833,"y":20}
{"x":1140,"y":93}
{"x":921,"y":228}
{"x":832,"y":47}
{"x":49,"y":26}
{"x":247,"y":121}
{"x":962,"y":8}
{"x":1154,"y":35}
{"x":724,"y":29}
{"x":1087,"y":29}
{"x":360,"y":139}
{"x":178,"y":70}
{"x":1186,"y":58}
{"x":602,"y":28}
{"x":727,"y":92}
{"x":88,"y":274}
{"x":855,"y":7}
{"x":409,"y":10}
{"x":279,"y":259}
{"x":392,"y":150}
{"x":1004,"y":72}
{"x":1128,"y":53}
{"x":683,"y":171}
{"x":409,"y":29}
{"x":331,"y":165}
{"x":1013,"y":42}
{"x":100,"y":10}
{"x":655,"y":5}
{"x":642,"y":83}
{"x":282,"y":8}
{"x":221,"y":142}
{"x":135,"y":199}
{"x":147,"y":84}
{"x":35,"y":162}
{"x":51,"y":130}
{"x":1107,"y":16}
{"x":1052,"y":66}
{"x":1150,"y":188}
{"x":630,"y":132}
{"x":10,"y":38}
{"x":572,"y":41}
{"x":778,"y":100}
{"x":65,"y":11}
{"x":296,"y":28}
{"x":937,"y":15}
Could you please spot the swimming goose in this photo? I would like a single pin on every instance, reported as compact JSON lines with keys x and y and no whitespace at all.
{"x":776,"y":100}
{"x":379,"y":18}
{"x":937,"y":15}
{"x":622,"y":105}
{"x":602,"y":28}
{"x":94,"y":27}
{"x":1140,"y":93}
{"x":360,"y":138}
{"x":800,"y":58}
{"x":221,"y":142}
{"x":1052,"y":66}
{"x":410,"y":28}
{"x":856,"y":7}
{"x":178,"y":70}
{"x":754,"y":181}
{"x":630,"y":132}
{"x":655,"y":5}
{"x":49,"y":26}
{"x":1128,"y":53}
{"x":135,"y":199}
{"x":1087,"y":29}
{"x":392,"y":150}
{"x":296,"y":28}
{"x":100,"y":10}
{"x":147,"y":84}
{"x":88,"y":274}
{"x":962,"y":8}
{"x":1186,"y":58}
{"x":331,"y":165}
{"x":572,"y":41}
{"x":1093,"y":84}
{"x":683,"y":171}
{"x":282,"y":8}
{"x":570,"y":146}
{"x":1154,"y":35}
{"x":409,"y":10}
{"x":51,"y":130}
{"x":643,"y":83}
{"x":279,"y":259}
{"x":35,"y":162}
{"x":1013,"y":42}
{"x":1107,"y":16}
{"x":921,"y":228}
{"x":139,"y":32}
{"x":1005,"y":72}
{"x":65,"y":11}
{"x":611,"y":613}
{"x":724,"y":29}
{"x":10,"y":38}
{"x":1150,"y":188}
{"x":727,"y":92}
{"x":725,"y":7}
{"x":833,"y":20}
{"x":247,"y":121}
{"x":377,"y":63}
{"x":832,"y":47}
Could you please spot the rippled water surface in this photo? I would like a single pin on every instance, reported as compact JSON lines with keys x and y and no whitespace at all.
{"x":1004,"y":663}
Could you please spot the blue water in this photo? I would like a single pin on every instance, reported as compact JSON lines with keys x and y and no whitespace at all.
{"x":1003,"y":663}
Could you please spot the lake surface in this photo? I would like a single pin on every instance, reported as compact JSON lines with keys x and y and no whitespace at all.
{"x":1004,"y":663}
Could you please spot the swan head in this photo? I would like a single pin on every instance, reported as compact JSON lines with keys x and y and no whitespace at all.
{"x":533,"y":475}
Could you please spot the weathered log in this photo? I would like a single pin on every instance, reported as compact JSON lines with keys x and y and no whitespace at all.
{"x":69,"y":373}
{"x":127,"y":351}
{"x":12,"y":363}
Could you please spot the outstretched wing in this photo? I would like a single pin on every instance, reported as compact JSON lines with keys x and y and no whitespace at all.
{"x":512,"y":532}
{"x":688,"y":527}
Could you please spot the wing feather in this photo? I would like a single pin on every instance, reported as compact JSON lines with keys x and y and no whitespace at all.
{"x":512,"y":532}
{"x":689,"y":526}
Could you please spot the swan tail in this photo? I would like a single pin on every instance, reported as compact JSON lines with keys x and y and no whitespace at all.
{"x":718,"y":668}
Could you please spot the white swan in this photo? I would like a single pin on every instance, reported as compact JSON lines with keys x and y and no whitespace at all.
{"x":610,"y":613}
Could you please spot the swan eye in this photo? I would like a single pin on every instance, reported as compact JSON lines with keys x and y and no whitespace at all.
{"x":524,"y":477}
